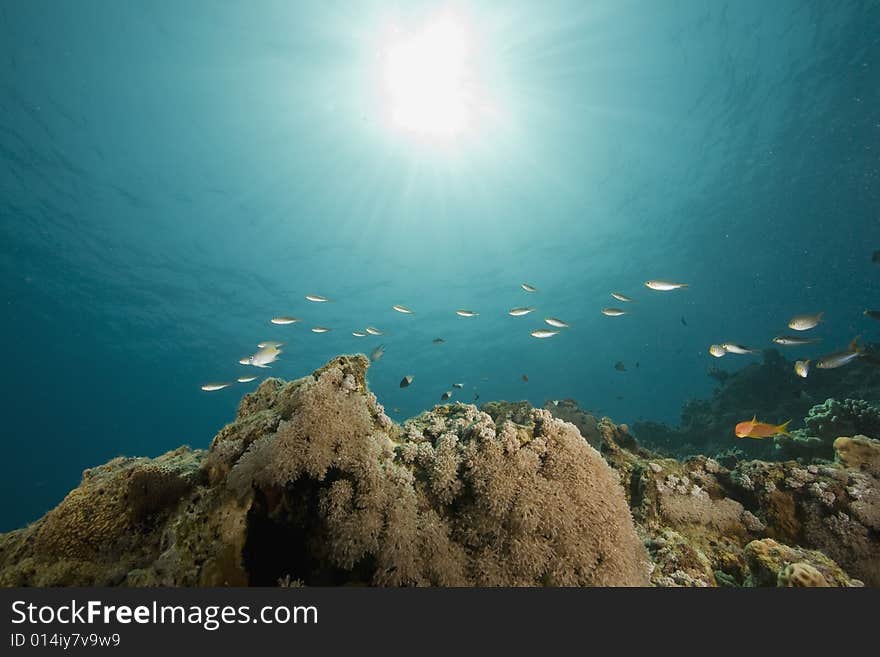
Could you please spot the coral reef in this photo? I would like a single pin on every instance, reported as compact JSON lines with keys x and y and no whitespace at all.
{"x":824,"y":423}
{"x":587,"y":424}
{"x":698,"y":516}
{"x":859,"y":452}
{"x":106,"y":527}
{"x":313,"y":484}
{"x":774,"y":564}
{"x":771,"y":390}
{"x":500,"y":411}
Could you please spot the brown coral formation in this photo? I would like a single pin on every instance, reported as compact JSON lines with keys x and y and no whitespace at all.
{"x":313,"y":483}
{"x":699,"y":517}
{"x":105,"y":527}
{"x":587,"y":424}
{"x":774,"y":564}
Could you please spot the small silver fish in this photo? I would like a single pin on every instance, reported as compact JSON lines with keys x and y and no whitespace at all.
{"x":458,"y":385}
{"x":211,"y":387}
{"x":283,"y":321}
{"x":446,"y":395}
{"x":558,"y":323}
{"x":805,"y":322}
{"x":319,"y":329}
{"x":377,"y":353}
{"x":802,"y":368}
{"x":438,"y":340}
{"x":733,"y":348}
{"x":406,"y":381}
{"x":269,"y":343}
{"x":528,"y":288}
{"x":372,"y":330}
{"x":519,"y":312}
{"x":359,"y":334}
{"x":403,"y":309}
{"x":664,"y":286}
{"x":246,"y":379}
{"x":873,"y":314}
{"x":717,"y":350}
{"x":543,"y":333}
{"x":794,"y":341}
{"x":466,"y":313}
{"x":317,"y":298}
{"x":266,"y":355}
{"x":613,"y":312}
{"x":621,"y":297}
{"x":841,"y":358}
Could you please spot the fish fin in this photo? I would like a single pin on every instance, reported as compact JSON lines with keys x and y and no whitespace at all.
{"x":855,"y":347}
{"x":754,"y":418}
{"x":783,"y":428}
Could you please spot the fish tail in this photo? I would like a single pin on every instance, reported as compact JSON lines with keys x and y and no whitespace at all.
{"x":783,"y":428}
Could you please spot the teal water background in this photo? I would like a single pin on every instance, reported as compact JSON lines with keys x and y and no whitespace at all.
{"x":174,"y":174}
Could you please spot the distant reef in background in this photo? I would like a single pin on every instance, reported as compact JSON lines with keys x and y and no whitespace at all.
{"x":831,"y":403}
{"x":313,"y":484}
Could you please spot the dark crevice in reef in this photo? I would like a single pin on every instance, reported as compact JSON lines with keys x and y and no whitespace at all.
{"x":636,"y":487}
{"x":276,"y":544}
{"x":284,"y":539}
{"x":748,"y":498}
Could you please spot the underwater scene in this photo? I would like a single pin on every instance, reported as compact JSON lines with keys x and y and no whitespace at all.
{"x":424,"y":293}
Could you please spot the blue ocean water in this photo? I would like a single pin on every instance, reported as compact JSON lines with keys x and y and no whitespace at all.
{"x":174,"y":174}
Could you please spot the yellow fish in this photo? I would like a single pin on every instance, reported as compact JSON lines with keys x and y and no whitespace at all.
{"x":754,"y":429}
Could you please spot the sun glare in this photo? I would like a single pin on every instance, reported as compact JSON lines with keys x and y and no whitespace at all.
{"x":429,"y":80}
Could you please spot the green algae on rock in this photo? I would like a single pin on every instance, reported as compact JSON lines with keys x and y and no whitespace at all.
{"x":774,"y":564}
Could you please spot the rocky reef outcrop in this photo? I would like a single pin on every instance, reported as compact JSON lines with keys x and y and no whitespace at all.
{"x":735,"y":522}
{"x":313,"y":484}
{"x":702,"y":521}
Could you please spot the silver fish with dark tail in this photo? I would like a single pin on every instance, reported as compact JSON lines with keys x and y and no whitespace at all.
{"x":794,"y":341}
{"x":841,"y":358}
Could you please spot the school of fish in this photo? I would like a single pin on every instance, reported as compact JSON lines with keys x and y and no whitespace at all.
{"x":269,"y":351}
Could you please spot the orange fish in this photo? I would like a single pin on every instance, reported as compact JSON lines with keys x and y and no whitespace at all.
{"x":754,"y":429}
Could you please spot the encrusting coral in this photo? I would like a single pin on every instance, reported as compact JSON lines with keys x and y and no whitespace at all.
{"x":313,"y":483}
{"x":773,"y":564}
{"x":105,"y":527}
